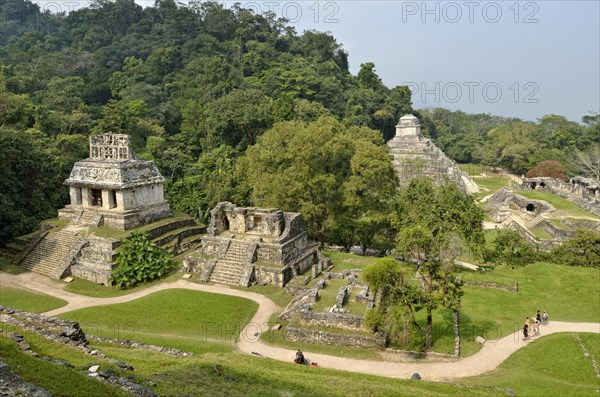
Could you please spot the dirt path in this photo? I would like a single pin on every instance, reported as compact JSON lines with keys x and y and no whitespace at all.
{"x":493,"y":353}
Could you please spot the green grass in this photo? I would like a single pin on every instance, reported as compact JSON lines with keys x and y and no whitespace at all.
{"x":473,"y":169}
{"x":56,"y":223}
{"x":243,"y":375}
{"x":7,"y":266}
{"x":327,"y":296}
{"x":177,"y":318}
{"x":95,"y":290}
{"x":277,"y":338}
{"x":567,"y":293}
{"x":276,"y":294}
{"x":551,"y":366}
{"x":561,"y":204}
{"x":57,"y":380}
{"x":493,"y":183}
{"x":343,"y":260}
{"x":29,"y":301}
{"x":109,"y":232}
{"x":541,"y":234}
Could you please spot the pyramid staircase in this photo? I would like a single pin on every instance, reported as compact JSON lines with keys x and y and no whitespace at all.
{"x":534,"y":222}
{"x":89,"y":218}
{"x":52,"y":253}
{"x":230,"y":269}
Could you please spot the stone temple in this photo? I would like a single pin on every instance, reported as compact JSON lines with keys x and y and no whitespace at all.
{"x":244,"y":246}
{"x":114,"y":188}
{"x":111,"y":188}
{"x":414,"y":156}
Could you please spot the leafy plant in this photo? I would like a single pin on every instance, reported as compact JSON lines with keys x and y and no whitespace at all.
{"x":140,"y":260}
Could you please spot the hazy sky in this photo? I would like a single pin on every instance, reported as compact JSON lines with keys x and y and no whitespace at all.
{"x":522,"y":59}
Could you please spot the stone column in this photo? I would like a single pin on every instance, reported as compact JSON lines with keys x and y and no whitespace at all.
{"x":86,"y":197}
{"x":120,"y":201}
{"x":106,"y":199}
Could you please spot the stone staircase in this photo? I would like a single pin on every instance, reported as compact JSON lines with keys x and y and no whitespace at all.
{"x":230,"y":269}
{"x":50,"y":253}
{"x":88,"y":218}
{"x":534,"y":222}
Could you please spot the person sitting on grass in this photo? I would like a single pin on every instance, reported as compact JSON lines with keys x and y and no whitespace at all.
{"x":299,"y":358}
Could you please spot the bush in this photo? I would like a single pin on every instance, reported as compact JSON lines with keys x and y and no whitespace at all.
{"x":584,"y":250}
{"x":139,"y":260}
{"x":510,"y":248}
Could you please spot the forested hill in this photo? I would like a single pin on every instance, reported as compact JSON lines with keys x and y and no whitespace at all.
{"x":195,"y":86}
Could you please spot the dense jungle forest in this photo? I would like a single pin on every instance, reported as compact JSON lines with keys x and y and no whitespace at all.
{"x":231,"y":106}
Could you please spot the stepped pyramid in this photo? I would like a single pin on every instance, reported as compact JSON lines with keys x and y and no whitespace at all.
{"x":416,"y":156}
{"x":111,"y":188}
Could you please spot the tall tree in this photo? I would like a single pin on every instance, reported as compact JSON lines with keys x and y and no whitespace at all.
{"x":434,"y":225}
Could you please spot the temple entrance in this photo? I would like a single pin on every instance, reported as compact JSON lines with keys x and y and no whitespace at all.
{"x":530,"y":207}
{"x":225,"y":223}
{"x":96,"y":197}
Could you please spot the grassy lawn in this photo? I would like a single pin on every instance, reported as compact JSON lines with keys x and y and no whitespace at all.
{"x":29,"y":301}
{"x":551,"y":366}
{"x":541,"y":233}
{"x":493,"y":182}
{"x":209,"y":374}
{"x":177,"y":318}
{"x":327,"y":296}
{"x":567,"y":293}
{"x":242,"y":375}
{"x":473,"y":169}
{"x":561,"y":204}
{"x":276,"y":294}
{"x":344,"y":260}
{"x":57,"y":380}
{"x":89,"y":288}
{"x":7,"y":266}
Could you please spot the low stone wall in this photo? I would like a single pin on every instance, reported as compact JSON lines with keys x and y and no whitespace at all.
{"x":545,"y":245}
{"x":271,"y":275}
{"x":333,"y":320}
{"x":491,"y":285}
{"x":304,"y":335}
{"x":167,"y":227}
{"x":557,"y":232}
{"x":55,"y":329}
{"x":95,"y":260}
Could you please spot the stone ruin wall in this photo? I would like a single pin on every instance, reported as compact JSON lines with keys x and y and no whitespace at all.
{"x":96,"y":260}
{"x":583,"y":192}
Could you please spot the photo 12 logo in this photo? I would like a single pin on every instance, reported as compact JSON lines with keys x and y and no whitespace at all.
{"x":294,"y":11}
{"x":472,"y":91}
{"x":469,"y":11}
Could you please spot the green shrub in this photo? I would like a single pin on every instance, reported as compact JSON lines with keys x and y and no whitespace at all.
{"x":584,"y":250}
{"x":139,"y":260}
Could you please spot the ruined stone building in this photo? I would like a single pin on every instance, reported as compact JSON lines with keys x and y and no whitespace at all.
{"x":114,"y":188}
{"x":253,"y":245}
{"x":414,"y":156}
{"x":110,"y":188}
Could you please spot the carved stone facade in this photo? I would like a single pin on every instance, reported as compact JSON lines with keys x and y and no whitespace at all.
{"x":416,"y":156}
{"x":113,"y":188}
{"x":253,"y":245}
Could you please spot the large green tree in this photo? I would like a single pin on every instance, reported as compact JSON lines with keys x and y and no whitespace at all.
{"x":434,"y":226}
{"x":321,"y":169}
